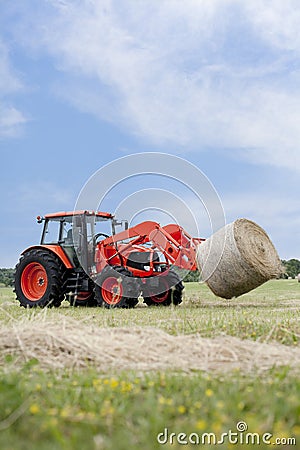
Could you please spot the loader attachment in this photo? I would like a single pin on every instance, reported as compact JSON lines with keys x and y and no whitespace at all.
{"x":172,"y":242}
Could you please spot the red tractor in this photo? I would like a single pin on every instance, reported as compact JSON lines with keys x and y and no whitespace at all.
{"x":87,"y":267}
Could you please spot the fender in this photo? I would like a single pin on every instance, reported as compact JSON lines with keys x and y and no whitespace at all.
{"x":57,"y":250}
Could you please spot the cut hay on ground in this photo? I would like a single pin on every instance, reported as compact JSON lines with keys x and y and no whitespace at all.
{"x":237,"y":259}
{"x":62,"y":342}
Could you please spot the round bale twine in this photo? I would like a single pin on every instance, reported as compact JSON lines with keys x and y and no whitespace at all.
{"x":237,"y":259}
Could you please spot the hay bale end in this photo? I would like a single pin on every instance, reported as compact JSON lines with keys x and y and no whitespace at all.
{"x":237,"y":259}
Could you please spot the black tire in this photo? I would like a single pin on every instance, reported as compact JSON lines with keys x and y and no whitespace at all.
{"x":131,"y":302}
{"x":176,"y":287}
{"x":39,"y":279}
{"x":122,"y":282}
{"x":80,"y":300}
{"x":163,"y":290}
{"x":156,"y":291}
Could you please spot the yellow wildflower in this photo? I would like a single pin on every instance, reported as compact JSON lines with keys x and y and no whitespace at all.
{"x":34,"y":408}
{"x":201,"y":424}
{"x":209,"y":393}
{"x":114,"y":383}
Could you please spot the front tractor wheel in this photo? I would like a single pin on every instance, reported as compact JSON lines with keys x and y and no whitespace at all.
{"x":116,"y":288}
{"x":39,"y":279}
{"x":157,"y":291}
{"x":163,"y":290}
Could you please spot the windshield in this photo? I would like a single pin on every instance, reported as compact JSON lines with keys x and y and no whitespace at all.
{"x":67,"y":230}
{"x":96,"y":225}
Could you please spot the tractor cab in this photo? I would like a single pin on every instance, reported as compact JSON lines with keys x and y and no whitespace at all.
{"x":78,"y":232}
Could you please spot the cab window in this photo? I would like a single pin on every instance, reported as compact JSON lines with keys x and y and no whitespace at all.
{"x":51,"y":234}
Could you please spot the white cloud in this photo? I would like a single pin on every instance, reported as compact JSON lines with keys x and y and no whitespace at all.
{"x":277,"y":212}
{"x":10,"y":120}
{"x":277,"y":23}
{"x":196,"y":74}
{"x":8,"y":82}
{"x":10,"y":117}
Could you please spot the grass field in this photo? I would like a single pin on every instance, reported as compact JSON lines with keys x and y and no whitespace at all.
{"x":100,"y":407}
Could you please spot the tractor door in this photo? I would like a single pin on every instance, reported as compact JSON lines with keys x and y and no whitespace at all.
{"x":67,"y":241}
{"x":83,"y":233}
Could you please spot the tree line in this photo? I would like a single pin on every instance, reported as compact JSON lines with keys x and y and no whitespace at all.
{"x":7,"y":276}
{"x":291,"y":269}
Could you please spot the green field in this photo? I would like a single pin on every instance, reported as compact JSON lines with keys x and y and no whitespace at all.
{"x":104,"y":408}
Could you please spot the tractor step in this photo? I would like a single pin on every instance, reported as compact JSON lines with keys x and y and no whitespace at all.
{"x":77,"y":282}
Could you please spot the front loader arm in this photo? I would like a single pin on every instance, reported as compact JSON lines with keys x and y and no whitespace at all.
{"x":141,"y":230}
{"x":178,"y":247}
{"x":138,"y":235}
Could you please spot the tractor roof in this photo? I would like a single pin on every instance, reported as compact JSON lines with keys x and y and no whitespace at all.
{"x":79,"y":213}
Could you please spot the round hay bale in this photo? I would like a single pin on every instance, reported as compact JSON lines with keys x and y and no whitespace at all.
{"x":237,"y":259}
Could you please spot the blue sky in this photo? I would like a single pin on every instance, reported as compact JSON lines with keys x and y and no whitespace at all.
{"x":85,"y":82}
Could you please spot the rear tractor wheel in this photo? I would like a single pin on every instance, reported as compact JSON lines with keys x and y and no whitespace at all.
{"x":39,"y":279}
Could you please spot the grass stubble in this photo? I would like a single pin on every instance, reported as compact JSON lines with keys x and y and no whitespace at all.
{"x":101,"y":379}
